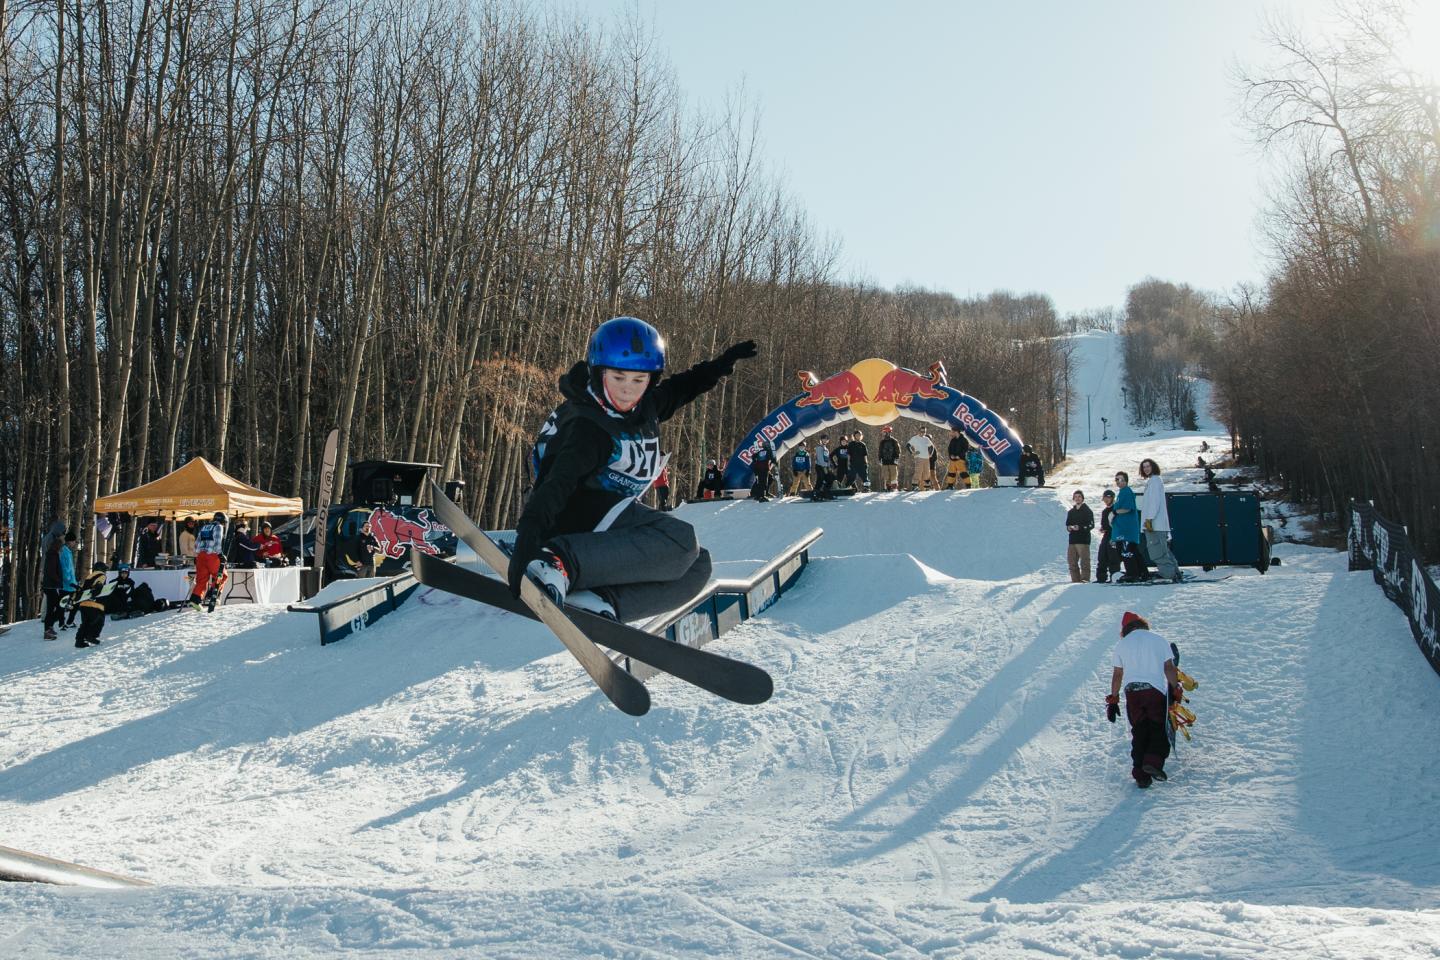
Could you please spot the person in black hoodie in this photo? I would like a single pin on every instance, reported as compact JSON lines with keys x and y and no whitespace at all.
{"x":711,"y":483}
{"x":1079,"y":520}
{"x":840,"y":461}
{"x":858,"y":457}
{"x":889,"y":459}
{"x":957,"y":475}
{"x":1030,"y":466}
{"x":763,"y":461}
{"x":1107,"y":561}
{"x":583,"y":535}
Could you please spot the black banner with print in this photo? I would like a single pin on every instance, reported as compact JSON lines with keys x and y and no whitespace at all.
{"x":1383,"y":547}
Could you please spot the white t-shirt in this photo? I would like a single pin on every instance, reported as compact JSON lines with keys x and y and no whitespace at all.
{"x":1152,"y":504}
{"x":1142,"y":656}
{"x":921,"y":446}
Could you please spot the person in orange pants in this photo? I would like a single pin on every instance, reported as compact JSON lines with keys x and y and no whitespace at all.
{"x":209,"y":548}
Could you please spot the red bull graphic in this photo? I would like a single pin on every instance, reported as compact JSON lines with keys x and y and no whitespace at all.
{"x":840,"y":391}
{"x":876,"y":392}
{"x":397,"y":533}
{"x":768,"y":431}
{"x":901,"y":386}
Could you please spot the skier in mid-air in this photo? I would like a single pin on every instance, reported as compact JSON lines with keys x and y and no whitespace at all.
{"x":584,"y":535}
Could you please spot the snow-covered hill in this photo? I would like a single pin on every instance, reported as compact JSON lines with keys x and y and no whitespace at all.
{"x":934,"y":776}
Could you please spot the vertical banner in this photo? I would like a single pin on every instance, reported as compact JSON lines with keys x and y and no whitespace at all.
{"x":322,"y":505}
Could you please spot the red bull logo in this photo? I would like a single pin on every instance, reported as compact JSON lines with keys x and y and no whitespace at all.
{"x":901,"y":386}
{"x":396,"y":534}
{"x":840,"y":391}
{"x":982,"y":428}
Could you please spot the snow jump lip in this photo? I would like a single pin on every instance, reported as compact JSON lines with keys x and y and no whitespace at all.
{"x":21,"y":867}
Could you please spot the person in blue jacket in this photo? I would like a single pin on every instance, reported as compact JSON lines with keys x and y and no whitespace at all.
{"x":584,"y":535}
{"x":1125,"y":530}
{"x":800,"y":470}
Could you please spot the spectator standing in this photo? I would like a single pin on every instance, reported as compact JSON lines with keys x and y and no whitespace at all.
{"x":1079,"y":520}
{"x":762,"y":461}
{"x":662,"y":489}
{"x":70,"y":567}
{"x":1125,"y":530}
{"x":975,"y":463}
{"x":357,"y":553}
{"x":889,"y":459}
{"x":840,"y":460}
{"x":1106,"y":562}
{"x":800,"y":470}
{"x":91,"y":605}
{"x":188,"y":533}
{"x":1030,"y":466}
{"x":824,"y":479}
{"x":1155,"y":519}
{"x":147,"y":548}
{"x":57,"y":575}
{"x":209,"y":551}
{"x":957,"y":475}
{"x":859,"y":461}
{"x":712,"y":482}
{"x":1145,"y":665}
{"x":922,"y":449}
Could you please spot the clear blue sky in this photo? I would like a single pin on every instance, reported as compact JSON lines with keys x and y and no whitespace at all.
{"x":1063,"y":146}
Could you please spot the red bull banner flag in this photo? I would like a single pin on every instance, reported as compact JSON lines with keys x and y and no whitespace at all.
{"x":875,"y":392}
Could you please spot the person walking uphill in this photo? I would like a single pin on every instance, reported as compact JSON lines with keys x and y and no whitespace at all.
{"x":1145,"y":666}
{"x":583,"y":535}
{"x":1079,"y":520}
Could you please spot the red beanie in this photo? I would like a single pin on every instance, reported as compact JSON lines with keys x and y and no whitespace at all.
{"x":1128,"y":619}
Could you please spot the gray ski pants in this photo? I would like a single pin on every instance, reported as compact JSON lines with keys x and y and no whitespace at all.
{"x":646,"y":563}
{"x":1157,"y":544}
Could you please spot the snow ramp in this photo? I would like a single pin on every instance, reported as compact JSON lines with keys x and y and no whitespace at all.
{"x":934,"y":776}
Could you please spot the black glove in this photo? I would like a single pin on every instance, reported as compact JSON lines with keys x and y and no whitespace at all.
{"x":527,"y":548}
{"x":741,"y":351}
{"x":1112,"y":708}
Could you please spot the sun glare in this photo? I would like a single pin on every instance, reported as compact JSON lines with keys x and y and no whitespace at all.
{"x":1420,"y":50}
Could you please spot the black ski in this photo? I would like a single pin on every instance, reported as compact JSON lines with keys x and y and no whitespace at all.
{"x":623,"y":689}
{"x":725,"y":677}
{"x":1162,"y":582}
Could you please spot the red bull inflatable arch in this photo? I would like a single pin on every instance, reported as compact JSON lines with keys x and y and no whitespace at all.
{"x":875,"y":392}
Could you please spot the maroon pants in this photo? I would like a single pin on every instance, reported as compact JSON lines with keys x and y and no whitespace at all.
{"x":1149,"y":740}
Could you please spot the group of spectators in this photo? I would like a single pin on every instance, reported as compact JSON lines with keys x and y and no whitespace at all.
{"x":1123,"y":524}
{"x":68,"y":595}
{"x":827,"y":468}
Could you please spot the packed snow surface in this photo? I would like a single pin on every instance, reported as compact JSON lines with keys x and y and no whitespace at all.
{"x":933,"y":777}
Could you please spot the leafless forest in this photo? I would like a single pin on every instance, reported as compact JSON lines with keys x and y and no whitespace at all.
{"x":230,"y":227}
{"x":1330,"y":376}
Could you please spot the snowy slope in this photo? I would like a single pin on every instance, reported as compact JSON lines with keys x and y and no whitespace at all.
{"x":934,"y":776}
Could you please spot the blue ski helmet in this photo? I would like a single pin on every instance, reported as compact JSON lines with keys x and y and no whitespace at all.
{"x":626,"y":343}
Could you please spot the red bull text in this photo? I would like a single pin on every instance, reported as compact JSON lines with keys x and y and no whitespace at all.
{"x":981,"y":428}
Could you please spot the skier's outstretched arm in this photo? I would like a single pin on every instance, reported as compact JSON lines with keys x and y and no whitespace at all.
{"x":672,"y":393}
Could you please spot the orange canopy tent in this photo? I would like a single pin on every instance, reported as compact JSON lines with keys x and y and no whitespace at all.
{"x":197,"y":488}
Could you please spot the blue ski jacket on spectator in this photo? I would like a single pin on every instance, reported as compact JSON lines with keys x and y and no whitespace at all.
{"x":67,"y":570}
{"x":801,"y":461}
{"x":1125,"y":526}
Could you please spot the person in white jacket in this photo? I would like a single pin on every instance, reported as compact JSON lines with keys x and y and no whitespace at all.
{"x":1155,"y":521}
{"x":921,"y":446}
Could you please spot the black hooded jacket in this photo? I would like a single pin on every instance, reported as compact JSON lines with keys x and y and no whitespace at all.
{"x":591,"y":460}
